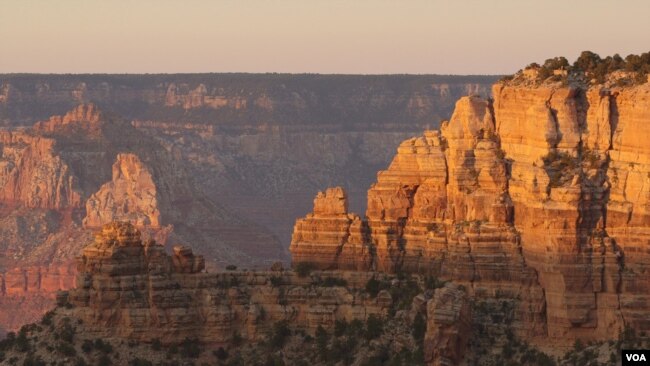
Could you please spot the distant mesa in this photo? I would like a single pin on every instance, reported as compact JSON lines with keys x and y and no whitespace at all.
{"x":85,"y":115}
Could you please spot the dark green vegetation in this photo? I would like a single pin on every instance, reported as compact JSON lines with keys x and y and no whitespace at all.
{"x":303,"y":269}
{"x":403,"y":289}
{"x":596,"y":67}
{"x":494,"y":342}
{"x":604,"y":353}
{"x":60,"y":340}
{"x":560,"y":166}
{"x":365,"y":342}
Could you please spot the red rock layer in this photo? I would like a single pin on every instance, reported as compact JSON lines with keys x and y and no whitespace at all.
{"x":33,"y":175}
{"x":45,"y":279}
{"x":28,"y":292}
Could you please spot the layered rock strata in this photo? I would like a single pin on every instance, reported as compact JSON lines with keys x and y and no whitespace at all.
{"x":133,"y":292}
{"x":331,"y":237}
{"x":236,"y":99}
{"x":33,"y":175}
{"x":538,"y":196}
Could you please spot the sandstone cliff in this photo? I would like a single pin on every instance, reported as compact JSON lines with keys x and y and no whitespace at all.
{"x":537,"y":196}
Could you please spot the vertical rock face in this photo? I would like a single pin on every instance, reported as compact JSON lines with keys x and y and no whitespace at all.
{"x":39,"y":193}
{"x":624,"y":240}
{"x":130,"y":195}
{"x":33,"y":175}
{"x":539,"y":196}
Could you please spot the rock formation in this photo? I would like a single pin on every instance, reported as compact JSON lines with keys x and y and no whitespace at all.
{"x":331,"y":238}
{"x":33,"y":175}
{"x":130,"y":195}
{"x":131,"y":289}
{"x":537,"y":196}
{"x":86,"y":115}
{"x":131,"y":292}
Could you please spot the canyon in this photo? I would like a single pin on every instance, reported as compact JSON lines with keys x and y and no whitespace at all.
{"x":222,"y":162}
{"x":521,"y":220}
{"x":259,"y":144}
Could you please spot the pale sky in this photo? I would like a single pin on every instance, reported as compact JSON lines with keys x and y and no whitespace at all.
{"x":316,"y":36}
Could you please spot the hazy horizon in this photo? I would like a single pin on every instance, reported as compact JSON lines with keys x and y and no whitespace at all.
{"x":314,"y":37}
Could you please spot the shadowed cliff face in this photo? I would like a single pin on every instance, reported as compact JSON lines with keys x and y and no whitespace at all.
{"x":259,"y":144}
{"x":538,"y":197}
{"x":68,"y":175}
{"x":90,"y":167}
{"x":224,"y":162}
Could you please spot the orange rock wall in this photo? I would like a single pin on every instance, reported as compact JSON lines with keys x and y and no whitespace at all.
{"x":539,"y":196}
{"x":46,"y":280}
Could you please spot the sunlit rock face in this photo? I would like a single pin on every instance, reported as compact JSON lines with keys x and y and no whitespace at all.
{"x":130,"y":195}
{"x":330,"y":237}
{"x":538,"y":195}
